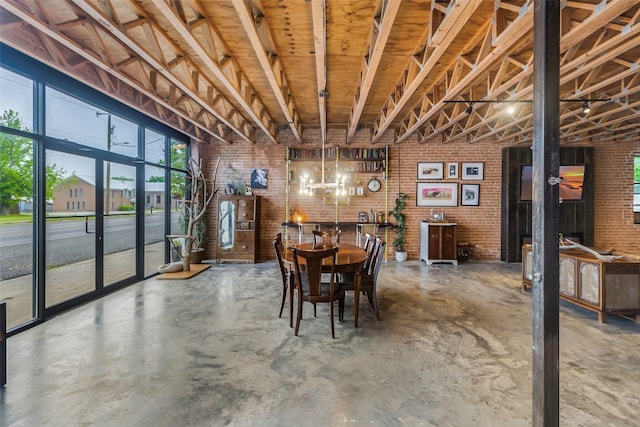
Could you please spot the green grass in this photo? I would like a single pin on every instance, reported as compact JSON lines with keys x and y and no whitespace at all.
{"x":10,"y":219}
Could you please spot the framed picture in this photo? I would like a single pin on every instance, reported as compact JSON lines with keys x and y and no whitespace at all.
{"x":430,"y":170}
{"x":452,"y":170}
{"x":470,"y":195}
{"x":473,"y":171}
{"x":259,"y":178}
{"x":437,"y":194}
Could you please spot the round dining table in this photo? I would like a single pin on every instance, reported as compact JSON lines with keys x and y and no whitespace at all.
{"x":350,"y":258}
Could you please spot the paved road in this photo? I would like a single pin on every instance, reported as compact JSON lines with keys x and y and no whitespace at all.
{"x":67,"y":241}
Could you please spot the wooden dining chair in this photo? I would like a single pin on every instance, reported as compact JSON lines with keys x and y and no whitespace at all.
{"x":288,"y":278}
{"x":368,"y":280}
{"x":306,"y":230}
{"x":309,"y":284}
{"x":326,"y":238}
{"x":363,"y":229}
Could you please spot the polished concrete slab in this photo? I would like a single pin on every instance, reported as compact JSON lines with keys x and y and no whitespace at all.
{"x":453,"y":348}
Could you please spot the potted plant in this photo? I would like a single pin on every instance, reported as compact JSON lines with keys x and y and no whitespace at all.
{"x":236,"y":183}
{"x":398,"y":214}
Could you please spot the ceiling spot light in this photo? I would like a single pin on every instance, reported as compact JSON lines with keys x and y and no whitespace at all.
{"x":511,"y":109}
{"x":585,"y":107}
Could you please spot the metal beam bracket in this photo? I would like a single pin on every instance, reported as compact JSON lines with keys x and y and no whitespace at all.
{"x":555,"y":180}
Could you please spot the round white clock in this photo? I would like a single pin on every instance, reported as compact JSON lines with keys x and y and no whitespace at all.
{"x":374,"y":185}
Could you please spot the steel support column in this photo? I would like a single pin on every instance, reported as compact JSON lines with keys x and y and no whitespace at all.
{"x":546,"y":153}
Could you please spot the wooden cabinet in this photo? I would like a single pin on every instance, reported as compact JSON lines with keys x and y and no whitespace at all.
{"x":438,"y":242}
{"x":597,"y":285}
{"x":238,"y":228}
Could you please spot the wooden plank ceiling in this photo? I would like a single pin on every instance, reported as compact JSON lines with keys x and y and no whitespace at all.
{"x":257,"y":68}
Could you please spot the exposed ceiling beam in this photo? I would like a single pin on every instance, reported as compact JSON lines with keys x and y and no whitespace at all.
{"x":270,"y":65}
{"x":320,"y":42}
{"x":457,"y":16}
{"x":228,"y":115}
{"x":249,"y":101}
{"x":380,"y":30}
{"x":34,"y":19}
{"x":510,"y":37}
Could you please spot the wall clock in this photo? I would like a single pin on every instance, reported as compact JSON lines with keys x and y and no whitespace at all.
{"x":374,"y":185}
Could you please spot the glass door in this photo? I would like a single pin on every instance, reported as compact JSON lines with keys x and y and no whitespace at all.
{"x":119,"y":240}
{"x":70,"y":227}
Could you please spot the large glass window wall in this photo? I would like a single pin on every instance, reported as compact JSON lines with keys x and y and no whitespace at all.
{"x":91,"y":190}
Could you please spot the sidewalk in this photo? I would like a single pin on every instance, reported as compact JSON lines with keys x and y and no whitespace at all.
{"x":65,"y":282}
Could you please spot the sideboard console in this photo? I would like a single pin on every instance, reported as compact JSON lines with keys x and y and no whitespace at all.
{"x":605,"y":287}
{"x":438,"y":242}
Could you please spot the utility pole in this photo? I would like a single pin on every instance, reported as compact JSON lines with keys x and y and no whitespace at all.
{"x":107,"y":200}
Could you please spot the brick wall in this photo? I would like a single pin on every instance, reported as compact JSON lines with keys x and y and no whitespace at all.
{"x":477,"y":225}
{"x":614,"y":227}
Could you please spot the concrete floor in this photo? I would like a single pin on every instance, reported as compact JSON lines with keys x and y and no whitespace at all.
{"x":453,"y":349}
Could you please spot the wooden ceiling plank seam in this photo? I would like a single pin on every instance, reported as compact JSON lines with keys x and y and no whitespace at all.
{"x":456,"y":22}
{"x":131,"y":44}
{"x":270,"y":65}
{"x":378,"y":38}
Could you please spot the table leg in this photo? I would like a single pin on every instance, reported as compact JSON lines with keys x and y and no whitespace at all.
{"x":356,"y":297}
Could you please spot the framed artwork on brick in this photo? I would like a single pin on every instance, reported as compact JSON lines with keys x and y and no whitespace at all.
{"x":473,"y":171}
{"x":452,"y":170}
{"x":470,"y":195}
{"x":437,"y":194}
{"x":430,"y":170}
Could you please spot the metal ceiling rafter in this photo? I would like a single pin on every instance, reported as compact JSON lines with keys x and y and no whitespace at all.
{"x":378,"y":36}
{"x":249,"y":101}
{"x":119,"y":31}
{"x":49,"y":30}
{"x":447,"y":31}
{"x":270,"y":64}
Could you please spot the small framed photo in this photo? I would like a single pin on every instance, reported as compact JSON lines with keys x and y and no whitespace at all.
{"x":352,"y":191}
{"x":470,"y":195}
{"x":452,"y":170}
{"x":259,"y":178}
{"x":360,"y":191}
{"x":437,"y":194}
{"x":473,"y":171}
{"x":430,"y":170}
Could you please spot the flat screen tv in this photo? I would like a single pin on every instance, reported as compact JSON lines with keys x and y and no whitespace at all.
{"x":570,"y":187}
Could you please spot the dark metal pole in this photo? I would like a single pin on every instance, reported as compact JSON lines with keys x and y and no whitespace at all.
{"x":3,"y":344}
{"x":546,"y":153}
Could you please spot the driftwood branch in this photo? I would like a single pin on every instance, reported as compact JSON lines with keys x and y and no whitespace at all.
{"x":201,"y":194}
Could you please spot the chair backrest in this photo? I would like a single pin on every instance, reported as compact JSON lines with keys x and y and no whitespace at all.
{"x":313,"y":268}
{"x":306,"y":230}
{"x":370,"y":245}
{"x":375,"y":268}
{"x":326,"y":238}
{"x":278,"y":247}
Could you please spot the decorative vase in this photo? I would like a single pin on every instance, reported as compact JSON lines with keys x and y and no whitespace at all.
{"x":401,"y":256}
